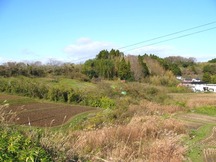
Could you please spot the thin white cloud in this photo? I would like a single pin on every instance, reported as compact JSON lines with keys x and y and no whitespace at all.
{"x":166,"y":51}
{"x":85,"y":48}
{"x":27,"y":52}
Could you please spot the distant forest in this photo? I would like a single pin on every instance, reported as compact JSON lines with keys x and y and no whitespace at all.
{"x":113,"y":65}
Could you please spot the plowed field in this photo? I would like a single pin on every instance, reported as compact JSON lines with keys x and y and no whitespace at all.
{"x":41,"y":114}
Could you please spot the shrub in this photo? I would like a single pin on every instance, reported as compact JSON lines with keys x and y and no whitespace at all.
{"x":106,"y":102}
{"x":16,"y":147}
{"x":74,"y":96}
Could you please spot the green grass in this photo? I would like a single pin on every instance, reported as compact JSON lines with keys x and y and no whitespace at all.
{"x":15,"y":100}
{"x":75,"y":123}
{"x":193,"y":142}
{"x":65,"y":82}
{"x":207,"y":110}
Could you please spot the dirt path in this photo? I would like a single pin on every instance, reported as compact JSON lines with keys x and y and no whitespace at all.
{"x":194,"y":121}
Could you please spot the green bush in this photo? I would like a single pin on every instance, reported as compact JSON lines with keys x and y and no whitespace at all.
{"x":106,"y":102}
{"x":15,"y":147}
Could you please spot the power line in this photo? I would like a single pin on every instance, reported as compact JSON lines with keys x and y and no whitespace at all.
{"x":181,"y":31}
{"x":88,"y":57}
{"x":186,"y":35}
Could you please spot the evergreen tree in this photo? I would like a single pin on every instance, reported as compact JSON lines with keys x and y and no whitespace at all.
{"x":145,"y":69}
{"x":89,"y":68}
{"x":124,"y":71}
{"x":206,"y":77}
{"x":104,"y":54}
{"x":175,"y":69}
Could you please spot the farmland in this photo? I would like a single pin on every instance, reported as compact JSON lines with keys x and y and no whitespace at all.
{"x":39,"y":113}
{"x":103,"y":111}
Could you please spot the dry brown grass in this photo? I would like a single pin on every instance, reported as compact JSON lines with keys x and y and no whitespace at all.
{"x":193,"y":100}
{"x":147,"y":136}
{"x":144,"y":138}
{"x":6,"y":116}
{"x":146,"y":108}
{"x":201,"y":100}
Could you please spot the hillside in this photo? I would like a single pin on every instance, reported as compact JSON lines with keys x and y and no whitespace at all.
{"x":110,"y":108}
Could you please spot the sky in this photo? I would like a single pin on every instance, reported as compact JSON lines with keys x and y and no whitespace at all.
{"x":77,"y":30}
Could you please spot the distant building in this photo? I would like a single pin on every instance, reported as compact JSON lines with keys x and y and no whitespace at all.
{"x":179,"y":77}
{"x":196,"y":80}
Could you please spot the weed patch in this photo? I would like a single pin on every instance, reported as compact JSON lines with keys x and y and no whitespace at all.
{"x":193,"y":141}
{"x":207,"y":110}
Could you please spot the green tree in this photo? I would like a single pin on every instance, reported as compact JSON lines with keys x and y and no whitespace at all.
{"x":89,"y":68}
{"x":105,"y":68}
{"x":175,"y":69}
{"x":213,"y":79}
{"x":206,"y":77}
{"x":210,"y":69}
{"x":124,"y":71}
{"x":104,"y":54}
{"x":145,"y":69}
{"x":212,"y":60}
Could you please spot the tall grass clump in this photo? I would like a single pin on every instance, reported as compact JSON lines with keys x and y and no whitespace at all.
{"x":148,"y":138}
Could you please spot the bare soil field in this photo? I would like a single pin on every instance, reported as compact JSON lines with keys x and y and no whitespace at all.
{"x":46,"y":114}
{"x":41,"y":114}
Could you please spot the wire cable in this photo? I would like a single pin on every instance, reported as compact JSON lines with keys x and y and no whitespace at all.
{"x":156,"y":38}
{"x":186,"y":35}
{"x":181,"y":31}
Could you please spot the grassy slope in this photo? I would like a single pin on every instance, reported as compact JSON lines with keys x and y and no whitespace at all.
{"x":15,"y":99}
{"x":197,"y":103}
{"x":195,"y":148}
{"x":65,"y":82}
{"x":191,"y":101}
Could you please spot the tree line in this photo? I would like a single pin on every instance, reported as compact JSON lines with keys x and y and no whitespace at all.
{"x":37,"y":69}
{"x":111,"y":64}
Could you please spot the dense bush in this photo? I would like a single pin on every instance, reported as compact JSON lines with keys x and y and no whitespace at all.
{"x":210,"y":68}
{"x":14,"y":146}
{"x":17,"y":146}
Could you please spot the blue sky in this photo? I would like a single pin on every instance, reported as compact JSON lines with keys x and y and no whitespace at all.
{"x":75,"y":30}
